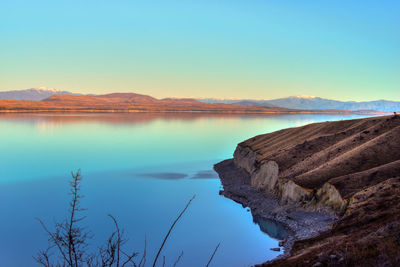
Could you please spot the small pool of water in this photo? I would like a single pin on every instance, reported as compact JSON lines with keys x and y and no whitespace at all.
{"x":272,"y":228}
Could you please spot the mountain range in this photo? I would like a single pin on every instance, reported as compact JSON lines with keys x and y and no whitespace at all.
{"x":313,"y":103}
{"x":131,"y":102}
{"x":288,"y":104}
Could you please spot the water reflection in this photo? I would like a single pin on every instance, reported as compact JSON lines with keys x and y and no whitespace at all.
{"x":271,"y":228}
{"x":164,"y":175}
{"x":208,"y":174}
{"x":58,"y":119}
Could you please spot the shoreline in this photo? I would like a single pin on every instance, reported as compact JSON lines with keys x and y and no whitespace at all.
{"x":233,"y":112}
{"x":299,"y":223}
{"x":336,"y":185}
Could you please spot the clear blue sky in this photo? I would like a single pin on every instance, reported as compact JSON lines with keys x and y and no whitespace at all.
{"x":342,"y":49}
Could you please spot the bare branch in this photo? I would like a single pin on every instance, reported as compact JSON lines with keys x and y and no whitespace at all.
{"x":178,"y":259}
{"x":143,"y":259}
{"x":170,"y":229}
{"x":212,"y":256}
{"x":55,"y":241}
{"x":43,"y":257}
{"x":118,"y":237}
{"x":129,"y":258}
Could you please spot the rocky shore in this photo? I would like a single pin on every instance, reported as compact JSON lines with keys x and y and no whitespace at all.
{"x":300,"y":224}
{"x":335,"y":186}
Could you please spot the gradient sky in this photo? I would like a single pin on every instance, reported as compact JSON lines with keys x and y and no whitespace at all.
{"x":342,"y":49}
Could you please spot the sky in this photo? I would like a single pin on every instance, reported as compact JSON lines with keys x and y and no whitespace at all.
{"x":259,"y":49}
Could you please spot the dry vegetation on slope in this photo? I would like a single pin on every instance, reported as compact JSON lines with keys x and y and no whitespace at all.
{"x":358,"y":158}
{"x":340,"y":152}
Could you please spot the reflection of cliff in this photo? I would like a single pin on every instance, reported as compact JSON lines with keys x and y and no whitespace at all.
{"x":271,"y":228}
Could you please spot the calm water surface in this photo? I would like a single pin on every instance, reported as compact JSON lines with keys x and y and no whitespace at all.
{"x":142,"y":168}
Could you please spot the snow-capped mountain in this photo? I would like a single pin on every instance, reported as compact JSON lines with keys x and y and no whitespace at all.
{"x":300,"y":102}
{"x":312,"y":102}
{"x":32,"y":94}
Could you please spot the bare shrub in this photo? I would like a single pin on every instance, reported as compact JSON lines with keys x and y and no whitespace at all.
{"x":68,"y":242}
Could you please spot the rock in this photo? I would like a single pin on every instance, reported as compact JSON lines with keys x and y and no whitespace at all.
{"x":291,"y":193}
{"x":281,"y":243}
{"x":329,"y":196}
{"x":266,"y":176}
{"x":333,"y":257}
{"x":245,"y":158}
{"x":317,"y":264}
{"x":275,"y":249}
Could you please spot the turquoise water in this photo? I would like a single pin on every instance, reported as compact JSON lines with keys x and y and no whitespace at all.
{"x":142,"y":168}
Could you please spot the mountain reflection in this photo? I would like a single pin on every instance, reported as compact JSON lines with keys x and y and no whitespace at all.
{"x":114,"y":118}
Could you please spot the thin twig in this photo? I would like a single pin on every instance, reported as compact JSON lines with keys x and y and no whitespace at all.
{"x":44,"y":257}
{"x":55,"y":241}
{"x":129,"y":258}
{"x":212,"y":256}
{"x":143,"y":259}
{"x":178,"y":259}
{"x":118,"y":237}
{"x":170,"y":229}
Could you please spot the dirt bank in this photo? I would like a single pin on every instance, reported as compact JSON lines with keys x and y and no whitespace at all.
{"x":334,"y":184}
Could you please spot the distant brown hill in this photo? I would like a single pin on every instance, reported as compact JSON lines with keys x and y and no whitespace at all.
{"x":131,"y":102}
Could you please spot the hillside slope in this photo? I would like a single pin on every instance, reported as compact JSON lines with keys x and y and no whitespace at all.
{"x":349,"y":168}
{"x":329,"y":152}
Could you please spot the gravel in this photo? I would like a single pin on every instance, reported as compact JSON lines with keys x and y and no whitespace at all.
{"x":299,"y":223}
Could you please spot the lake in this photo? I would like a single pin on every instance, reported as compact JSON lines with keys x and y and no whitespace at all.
{"x":142,"y":169}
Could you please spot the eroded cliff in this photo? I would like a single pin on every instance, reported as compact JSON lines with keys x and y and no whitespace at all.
{"x":323,"y":164}
{"x":328,"y":167}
